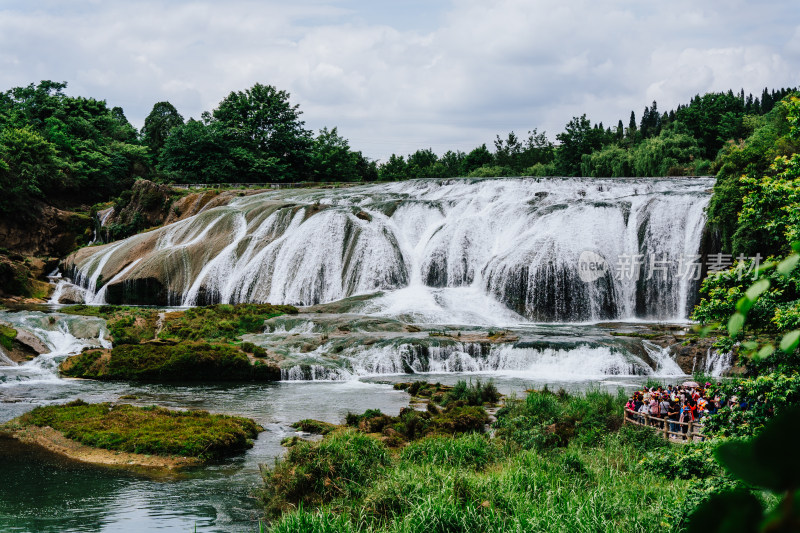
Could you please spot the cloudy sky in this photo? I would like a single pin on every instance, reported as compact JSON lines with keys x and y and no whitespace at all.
{"x":398,"y":76}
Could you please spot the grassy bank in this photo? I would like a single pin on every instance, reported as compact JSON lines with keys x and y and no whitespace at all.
{"x":556,"y":462}
{"x":156,"y":362}
{"x":145,"y":430}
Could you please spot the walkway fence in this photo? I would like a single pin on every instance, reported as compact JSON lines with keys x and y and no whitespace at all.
{"x":277,"y":185}
{"x":669,"y":429}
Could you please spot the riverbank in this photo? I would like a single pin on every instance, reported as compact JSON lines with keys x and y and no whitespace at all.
{"x":55,"y":441}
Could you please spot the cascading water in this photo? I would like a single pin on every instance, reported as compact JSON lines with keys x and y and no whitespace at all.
{"x":63,"y":335}
{"x":495,"y":249}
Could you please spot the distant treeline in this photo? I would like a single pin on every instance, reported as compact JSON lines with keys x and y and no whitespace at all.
{"x":78,"y":149}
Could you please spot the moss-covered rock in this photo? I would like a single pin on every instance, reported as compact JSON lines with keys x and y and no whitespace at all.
{"x":160,"y":362}
{"x":145,"y":430}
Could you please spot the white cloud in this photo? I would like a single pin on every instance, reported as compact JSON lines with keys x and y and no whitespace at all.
{"x":444,"y":75}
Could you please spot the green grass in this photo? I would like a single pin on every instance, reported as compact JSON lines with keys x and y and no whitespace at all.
{"x":342,"y":465}
{"x":476,"y":393}
{"x":162,"y":363}
{"x":222,"y":321}
{"x":470,"y":451}
{"x":584,"y":489}
{"x":594,"y":476}
{"x":147,"y":430}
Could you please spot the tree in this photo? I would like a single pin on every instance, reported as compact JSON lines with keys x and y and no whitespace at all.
{"x":269,"y":128}
{"x":671,"y":153}
{"x":158,"y":125}
{"x":610,"y":161}
{"x":578,"y":138}
{"x":96,"y":146}
{"x":393,"y":169}
{"x":199,"y":153}
{"x":332,"y":159}
{"x":506,"y":153}
{"x":477,"y":158}
{"x":452,"y":164}
{"x":28,"y":164}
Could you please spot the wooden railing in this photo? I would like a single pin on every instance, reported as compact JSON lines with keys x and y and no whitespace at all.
{"x":682,"y":432}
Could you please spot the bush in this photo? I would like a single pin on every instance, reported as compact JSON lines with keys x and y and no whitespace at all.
{"x":641,"y":438}
{"x":691,"y":460}
{"x":342,"y":465}
{"x":767,"y":395}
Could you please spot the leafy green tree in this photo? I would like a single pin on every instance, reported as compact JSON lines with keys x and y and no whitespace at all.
{"x":28,"y":164}
{"x":578,"y":138}
{"x":610,"y":161}
{"x":770,"y":214}
{"x":199,"y":153}
{"x":702,"y":117}
{"x":268,"y":127}
{"x":332,"y":159}
{"x":507,"y":152}
{"x":477,"y":158}
{"x":751,"y":158}
{"x":452,"y":164}
{"x":393,"y":169}
{"x":157,"y":126}
{"x":669,"y":154}
{"x":97,"y":146}
{"x":422,"y":164}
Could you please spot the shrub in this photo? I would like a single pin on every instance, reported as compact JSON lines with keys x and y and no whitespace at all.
{"x":342,"y":465}
{"x":692,"y":460}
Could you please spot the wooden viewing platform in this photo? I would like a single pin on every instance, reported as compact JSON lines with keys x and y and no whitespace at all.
{"x":687,"y":431}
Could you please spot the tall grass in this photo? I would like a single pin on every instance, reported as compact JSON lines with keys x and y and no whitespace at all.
{"x":476,"y":393}
{"x":586,"y":489}
{"x":591,"y":481}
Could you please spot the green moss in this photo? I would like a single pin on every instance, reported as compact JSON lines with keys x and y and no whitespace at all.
{"x":7,"y":336}
{"x":221,"y":321}
{"x":164,"y":363}
{"x":147,"y":430}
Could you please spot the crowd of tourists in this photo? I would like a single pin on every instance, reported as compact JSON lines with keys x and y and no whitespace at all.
{"x":676,"y":405}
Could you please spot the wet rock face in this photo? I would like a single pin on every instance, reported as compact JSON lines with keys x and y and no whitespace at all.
{"x":71,"y":295}
{"x":691,"y":354}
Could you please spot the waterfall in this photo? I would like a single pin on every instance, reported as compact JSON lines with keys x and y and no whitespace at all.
{"x":64,"y":335}
{"x":472,"y":250}
{"x":560,"y":363}
{"x":717,"y":362}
